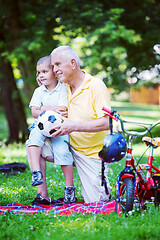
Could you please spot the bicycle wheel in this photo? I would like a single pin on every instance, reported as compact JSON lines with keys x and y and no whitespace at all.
{"x":156,"y":179}
{"x":157,"y":198}
{"x":125,"y":199}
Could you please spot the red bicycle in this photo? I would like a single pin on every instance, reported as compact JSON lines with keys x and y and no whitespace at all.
{"x":137,"y":184}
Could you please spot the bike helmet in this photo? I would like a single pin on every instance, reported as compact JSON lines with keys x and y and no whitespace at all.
{"x":114,"y":148}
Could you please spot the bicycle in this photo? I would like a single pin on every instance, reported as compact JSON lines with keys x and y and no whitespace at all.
{"x":133,"y":187}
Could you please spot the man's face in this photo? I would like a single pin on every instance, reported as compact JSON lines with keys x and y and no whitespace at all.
{"x":62,"y":67}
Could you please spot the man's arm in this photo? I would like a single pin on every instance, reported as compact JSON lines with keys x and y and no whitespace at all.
{"x":68,"y":126}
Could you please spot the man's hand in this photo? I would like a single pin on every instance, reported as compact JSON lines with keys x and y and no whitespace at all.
{"x":64,"y":128}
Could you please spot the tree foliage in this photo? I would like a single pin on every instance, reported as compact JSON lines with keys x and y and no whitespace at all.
{"x":108,"y":54}
{"x":118,"y":35}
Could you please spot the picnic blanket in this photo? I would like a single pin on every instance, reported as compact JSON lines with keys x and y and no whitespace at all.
{"x":87,"y":208}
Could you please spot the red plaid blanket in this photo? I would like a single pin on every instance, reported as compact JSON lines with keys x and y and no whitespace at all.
{"x":88,"y":208}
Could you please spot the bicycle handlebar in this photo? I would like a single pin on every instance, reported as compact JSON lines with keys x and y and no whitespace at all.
{"x":114,"y":115}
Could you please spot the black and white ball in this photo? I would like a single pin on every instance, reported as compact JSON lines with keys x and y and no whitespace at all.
{"x":47,"y":120}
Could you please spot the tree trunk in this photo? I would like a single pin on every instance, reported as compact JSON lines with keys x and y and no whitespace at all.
{"x":13,"y":106}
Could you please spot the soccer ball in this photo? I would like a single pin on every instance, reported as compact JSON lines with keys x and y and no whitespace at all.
{"x":47,"y":120}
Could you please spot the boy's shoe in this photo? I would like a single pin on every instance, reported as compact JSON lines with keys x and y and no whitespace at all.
{"x":39,"y":200}
{"x":69,"y":195}
{"x":37,"y":178}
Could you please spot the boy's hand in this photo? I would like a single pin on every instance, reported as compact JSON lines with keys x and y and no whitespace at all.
{"x":62,"y":110}
{"x":38,"y":81}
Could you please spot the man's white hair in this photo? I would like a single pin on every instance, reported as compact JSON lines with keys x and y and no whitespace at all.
{"x":68,"y":52}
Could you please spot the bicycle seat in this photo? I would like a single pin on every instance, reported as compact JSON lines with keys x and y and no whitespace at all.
{"x":155,"y":142}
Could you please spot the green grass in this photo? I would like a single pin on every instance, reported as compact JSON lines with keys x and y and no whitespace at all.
{"x":17,"y":188}
{"x":76,"y":226}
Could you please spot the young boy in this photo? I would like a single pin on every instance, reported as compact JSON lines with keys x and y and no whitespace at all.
{"x":50,"y":95}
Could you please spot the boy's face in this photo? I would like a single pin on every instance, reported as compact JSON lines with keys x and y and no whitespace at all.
{"x":46,"y":75}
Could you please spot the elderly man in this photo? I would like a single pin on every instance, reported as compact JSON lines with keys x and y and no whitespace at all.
{"x":86,"y":123}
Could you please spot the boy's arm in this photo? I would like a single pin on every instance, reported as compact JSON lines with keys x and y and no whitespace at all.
{"x":36,"y":111}
{"x":63,"y":110}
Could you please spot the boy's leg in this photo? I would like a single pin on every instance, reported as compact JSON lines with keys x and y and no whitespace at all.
{"x":68,"y":174}
{"x":42,"y":189}
{"x":34,"y":144}
{"x":42,"y":196}
{"x":63,"y":157}
{"x":37,"y":176}
{"x":35,"y":153}
{"x":69,"y":190}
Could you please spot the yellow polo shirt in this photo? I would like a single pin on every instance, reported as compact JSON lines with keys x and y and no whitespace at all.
{"x":85,"y":104}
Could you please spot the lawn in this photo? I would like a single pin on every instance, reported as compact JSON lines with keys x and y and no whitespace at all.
{"x":17,"y":188}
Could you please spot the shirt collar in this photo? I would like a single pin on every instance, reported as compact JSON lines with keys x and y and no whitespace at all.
{"x":55,"y":89}
{"x":85,"y":83}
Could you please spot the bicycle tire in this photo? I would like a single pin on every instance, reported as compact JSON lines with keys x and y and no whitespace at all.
{"x":157,"y":198}
{"x":124,"y":202}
